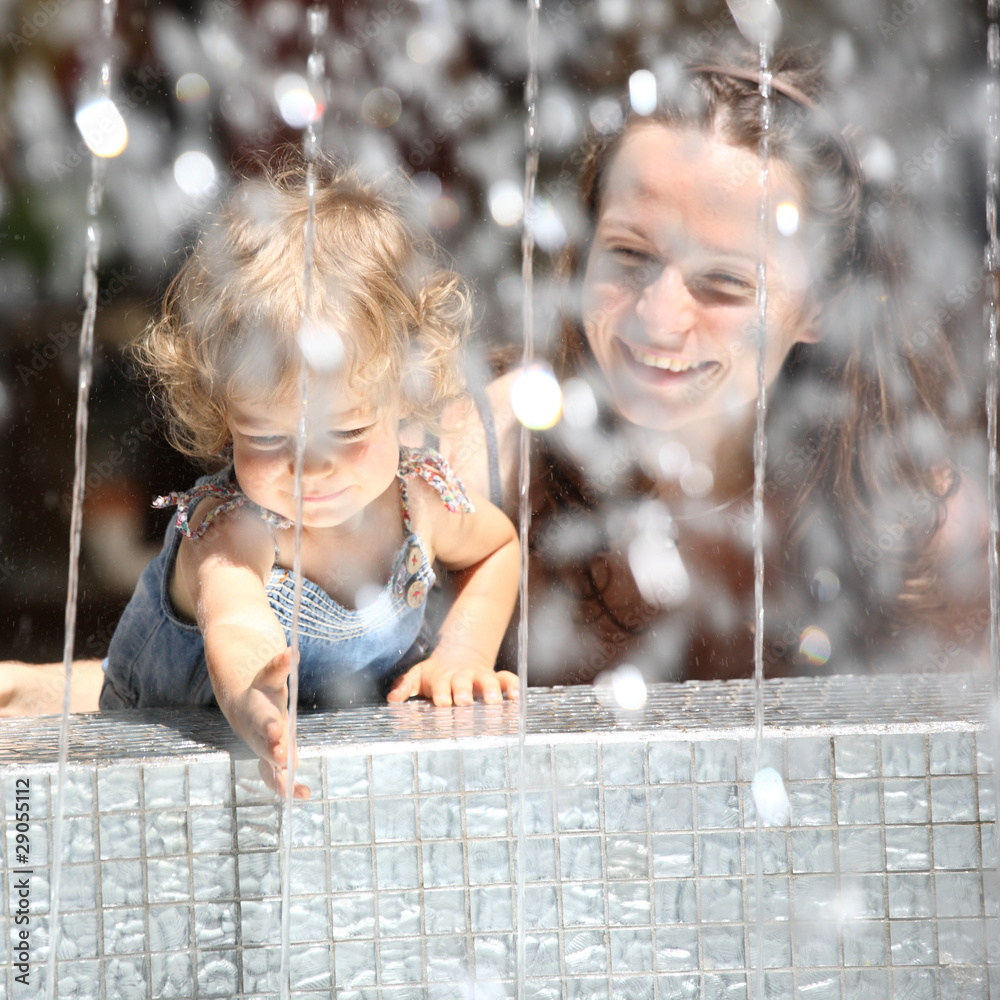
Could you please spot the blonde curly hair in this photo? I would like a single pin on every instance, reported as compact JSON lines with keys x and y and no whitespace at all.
{"x":231,"y":318}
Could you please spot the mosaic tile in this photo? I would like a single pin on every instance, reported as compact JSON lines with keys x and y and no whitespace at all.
{"x":671,"y":808}
{"x":582,"y":904}
{"x":444,"y":911}
{"x":721,"y":900}
{"x":210,"y":783}
{"x":395,"y":819}
{"x":723,"y":947}
{"x":717,"y":807}
{"x":809,"y":757}
{"x":856,"y":756}
{"x":774,"y":848}
{"x":812,"y":804}
{"x":624,"y":809}
{"x":627,"y":856}
{"x":955,"y":846}
{"x":629,"y":903}
{"x":494,"y":956}
{"x":623,"y":764}
{"x":346,"y":776}
{"x":951,"y":753}
{"x":670,"y":763}
{"x":217,"y":974}
{"x":813,"y":851}
{"x":904,"y":755}
{"x":393,"y":774}
{"x":953,"y":800}
{"x":716,"y":760}
{"x":215,"y":926}
{"x":912,"y":942}
{"x":486,"y":815}
{"x":673,"y":854}
{"x":906,"y":800}
{"x":353,"y":915}
{"x":539,"y":859}
{"x":396,"y":866}
{"x":860,"y":849}
{"x":581,"y":857}
{"x":213,"y":877}
{"x":585,"y":951}
{"x":541,"y":906}
{"x":575,"y":763}
{"x":399,"y":962}
{"x":907,"y":847}
{"x":675,"y":901}
{"x":959,"y":894}
{"x":443,"y":863}
{"x":489,"y":861}
{"x":485,"y":769}
{"x":578,"y":808}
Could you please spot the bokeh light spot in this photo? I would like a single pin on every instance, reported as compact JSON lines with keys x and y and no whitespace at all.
{"x":579,"y":403}
{"x":443,"y":212}
{"x":786,"y":217}
{"x":814,"y":646}
{"x":642,"y":92}
{"x":424,"y":46}
{"x":506,"y":203}
{"x":295,"y":102}
{"x":102,"y":127}
{"x":381,"y":107}
{"x":606,"y":116}
{"x":194,"y":172}
{"x":191,"y":87}
{"x":825,"y":585}
{"x":696,"y":480}
{"x":536,"y":398}
{"x":322,"y":347}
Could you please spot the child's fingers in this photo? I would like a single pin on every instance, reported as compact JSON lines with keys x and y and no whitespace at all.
{"x":276,"y":778}
{"x":509,"y":683}
{"x":405,"y":686}
{"x":455,"y":690}
{"x":273,"y":676}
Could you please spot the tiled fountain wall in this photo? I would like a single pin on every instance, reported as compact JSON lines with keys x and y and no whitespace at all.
{"x":638,"y":850}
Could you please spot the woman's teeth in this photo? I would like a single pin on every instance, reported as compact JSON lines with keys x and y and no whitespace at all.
{"x":666,"y":364}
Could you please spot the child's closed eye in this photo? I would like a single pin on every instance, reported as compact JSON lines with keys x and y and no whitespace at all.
{"x":351,"y":435}
{"x":266,"y":440}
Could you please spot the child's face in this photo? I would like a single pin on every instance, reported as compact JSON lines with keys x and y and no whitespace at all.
{"x":351,"y":458}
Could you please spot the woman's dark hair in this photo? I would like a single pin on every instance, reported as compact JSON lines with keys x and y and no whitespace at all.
{"x":867,"y":402}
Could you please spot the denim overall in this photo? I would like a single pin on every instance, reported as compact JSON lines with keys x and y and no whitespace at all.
{"x":157,"y":659}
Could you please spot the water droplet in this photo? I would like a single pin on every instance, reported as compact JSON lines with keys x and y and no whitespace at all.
{"x":321,"y":346}
{"x":825,"y":585}
{"x":579,"y":403}
{"x":628,"y":687}
{"x":606,"y":116}
{"x":191,"y":87}
{"x":770,"y":798}
{"x":642,"y":92}
{"x":536,"y":398}
{"x":786,"y":218}
{"x":381,"y":107}
{"x":194,"y":172}
{"x":506,"y":203}
{"x":696,"y":480}
{"x":102,"y":127}
{"x":295,"y":102}
{"x":814,"y":646}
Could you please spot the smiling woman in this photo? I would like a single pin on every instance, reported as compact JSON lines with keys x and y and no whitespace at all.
{"x":641,"y":537}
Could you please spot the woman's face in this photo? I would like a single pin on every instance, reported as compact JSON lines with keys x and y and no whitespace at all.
{"x":669,"y":293}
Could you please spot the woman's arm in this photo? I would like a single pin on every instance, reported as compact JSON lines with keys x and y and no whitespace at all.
{"x":221,"y":576}
{"x":483,"y":548}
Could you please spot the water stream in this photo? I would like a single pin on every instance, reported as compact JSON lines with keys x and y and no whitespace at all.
{"x":532,"y":147}
{"x":759,"y":457}
{"x":317,"y":20}
{"x":95,"y":196}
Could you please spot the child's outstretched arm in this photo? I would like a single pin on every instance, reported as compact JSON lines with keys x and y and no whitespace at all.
{"x":484,"y":547}
{"x":223,"y":574}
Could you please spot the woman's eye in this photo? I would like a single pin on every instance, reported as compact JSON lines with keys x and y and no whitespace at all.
{"x":628,"y":255}
{"x":723,"y":283}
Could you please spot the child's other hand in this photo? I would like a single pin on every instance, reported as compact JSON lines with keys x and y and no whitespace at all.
{"x":263,"y":723}
{"x":446,"y":682}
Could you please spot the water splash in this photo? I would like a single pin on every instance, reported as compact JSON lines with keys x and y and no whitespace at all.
{"x":95,"y":196}
{"x":531,"y":153}
{"x":759,"y":458}
{"x":317,"y":19}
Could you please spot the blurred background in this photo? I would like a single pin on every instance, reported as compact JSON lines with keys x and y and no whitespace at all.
{"x":432,"y":88}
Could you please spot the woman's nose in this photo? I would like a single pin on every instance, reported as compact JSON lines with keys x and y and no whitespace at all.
{"x":665,"y":304}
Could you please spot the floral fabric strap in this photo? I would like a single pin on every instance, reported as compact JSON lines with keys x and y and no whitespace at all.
{"x":232,"y":497}
{"x":431,"y":466}
{"x":428,"y":464}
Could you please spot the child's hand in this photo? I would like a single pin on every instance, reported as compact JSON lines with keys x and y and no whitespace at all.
{"x":261,"y":719}
{"x":451,"y":682}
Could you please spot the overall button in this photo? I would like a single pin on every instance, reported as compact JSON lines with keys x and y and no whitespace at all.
{"x":413,"y":559}
{"x":415,"y":593}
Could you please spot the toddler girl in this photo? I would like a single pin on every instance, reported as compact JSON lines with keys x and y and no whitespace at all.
{"x":210,"y":620}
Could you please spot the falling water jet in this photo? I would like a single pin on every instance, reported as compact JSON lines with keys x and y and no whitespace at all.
{"x":760,"y":22}
{"x":531,"y":154}
{"x":992,"y":262}
{"x":95,"y":195}
{"x":317,"y":19}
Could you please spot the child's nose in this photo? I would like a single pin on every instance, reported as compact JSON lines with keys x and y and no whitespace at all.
{"x":317,"y":461}
{"x":666,"y":305}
